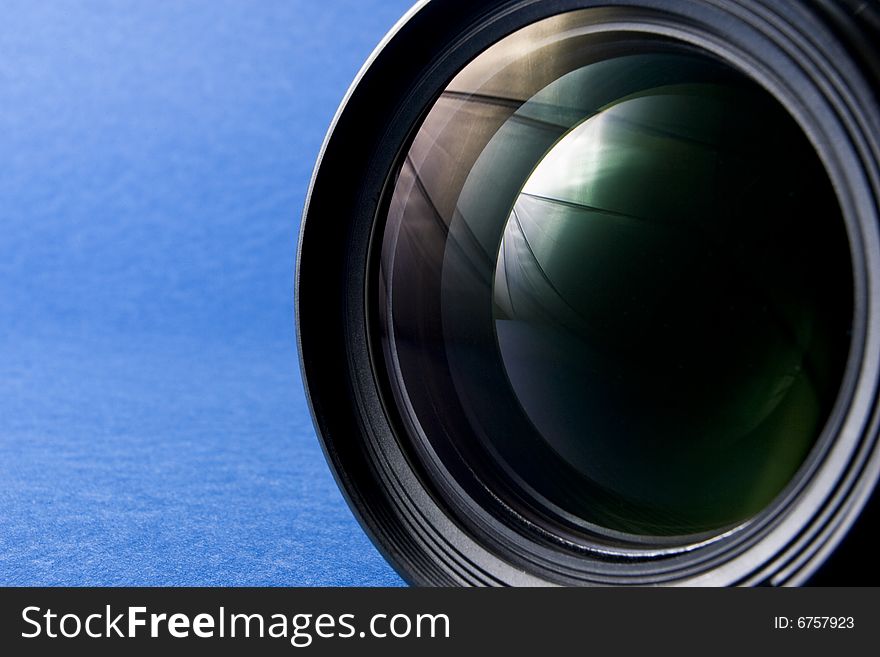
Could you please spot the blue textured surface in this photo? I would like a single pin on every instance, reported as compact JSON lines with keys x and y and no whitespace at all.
{"x":154,"y":158}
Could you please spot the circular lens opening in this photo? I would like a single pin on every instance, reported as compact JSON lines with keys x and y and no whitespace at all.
{"x":615,"y":286}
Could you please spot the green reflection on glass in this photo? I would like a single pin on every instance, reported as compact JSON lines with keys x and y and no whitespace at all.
{"x":655,"y":305}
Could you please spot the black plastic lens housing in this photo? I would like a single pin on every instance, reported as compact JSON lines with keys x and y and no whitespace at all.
{"x":587,"y":292}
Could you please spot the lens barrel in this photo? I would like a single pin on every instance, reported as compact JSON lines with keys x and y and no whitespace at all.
{"x":587,"y":292}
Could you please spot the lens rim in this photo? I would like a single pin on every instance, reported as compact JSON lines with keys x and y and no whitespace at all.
{"x":427,"y":529}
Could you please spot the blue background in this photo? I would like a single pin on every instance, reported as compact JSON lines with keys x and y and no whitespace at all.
{"x":154,"y":159}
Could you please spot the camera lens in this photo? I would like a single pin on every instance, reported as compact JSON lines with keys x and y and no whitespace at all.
{"x":599,"y":309}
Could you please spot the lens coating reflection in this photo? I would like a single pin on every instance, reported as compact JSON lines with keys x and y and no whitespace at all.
{"x":617,"y":287}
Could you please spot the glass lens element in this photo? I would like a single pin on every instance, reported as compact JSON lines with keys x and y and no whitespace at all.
{"x":615,"y":285}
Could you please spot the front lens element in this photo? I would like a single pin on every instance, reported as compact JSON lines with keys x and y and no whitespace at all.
{"x":616,"y":287}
